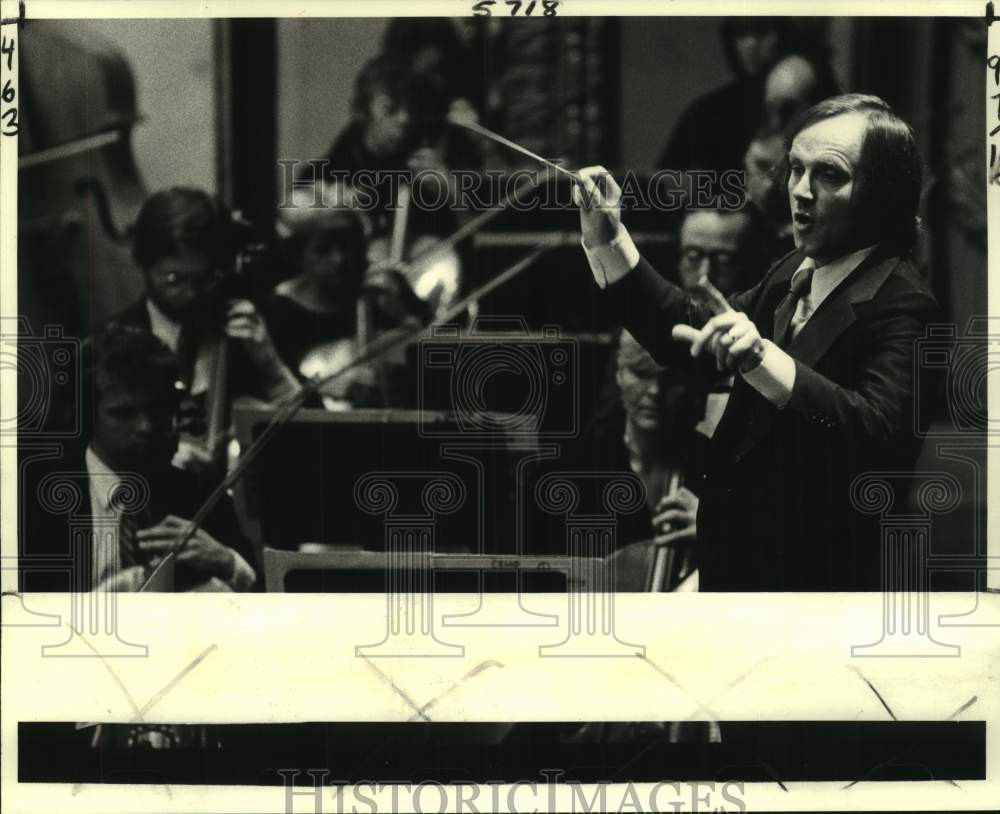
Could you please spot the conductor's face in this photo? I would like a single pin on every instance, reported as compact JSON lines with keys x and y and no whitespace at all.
{"x":823,"y":163}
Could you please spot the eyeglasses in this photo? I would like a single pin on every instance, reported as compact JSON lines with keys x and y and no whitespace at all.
{"x":722,"y":259}
{"x":194,"y":280}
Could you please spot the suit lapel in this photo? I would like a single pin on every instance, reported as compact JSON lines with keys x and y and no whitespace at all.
{"x":836,"y":313}
{"x":770,"y":316}
{"x":834,"y":316}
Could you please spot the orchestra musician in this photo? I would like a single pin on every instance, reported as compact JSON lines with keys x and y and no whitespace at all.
{"x":313,"y":315}
{"x":395,"y":135}
{"x":134,"y":502}
{"x":182,"y":245}
{"x":433,"y":45}
{"x":823,"y":348}
{"x":698,"y":142}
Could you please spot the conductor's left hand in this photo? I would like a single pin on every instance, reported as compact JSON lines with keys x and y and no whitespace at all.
{"x":731,"y":337}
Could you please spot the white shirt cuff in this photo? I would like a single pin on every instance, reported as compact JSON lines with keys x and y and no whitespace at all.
{"x":774,"y":377}
{"x":124,"y":580}
{"x":612,"y":261}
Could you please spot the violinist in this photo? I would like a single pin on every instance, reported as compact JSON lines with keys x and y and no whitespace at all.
{"x":435,"y":45}
{"x":313,"y":315}
{"x":182,"y":246}
{"x":398,"y":134}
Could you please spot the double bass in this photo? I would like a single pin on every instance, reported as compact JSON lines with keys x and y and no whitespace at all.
{"x":78,"y":183}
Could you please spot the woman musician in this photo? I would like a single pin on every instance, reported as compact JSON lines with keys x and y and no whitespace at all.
{"x":316,"y":316}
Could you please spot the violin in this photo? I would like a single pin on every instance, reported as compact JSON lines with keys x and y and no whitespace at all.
{"x":431,"y":266}
{"x":431,"y":271}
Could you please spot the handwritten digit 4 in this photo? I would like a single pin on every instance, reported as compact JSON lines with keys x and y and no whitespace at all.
{"x":7,"y":47}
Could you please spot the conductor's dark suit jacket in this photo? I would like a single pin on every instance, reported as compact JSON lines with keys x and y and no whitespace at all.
{"x":776,"y":512}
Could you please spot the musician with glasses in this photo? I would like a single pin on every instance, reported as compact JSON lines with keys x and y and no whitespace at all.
{"x":183,"y":246}
{"x":729,"y":247}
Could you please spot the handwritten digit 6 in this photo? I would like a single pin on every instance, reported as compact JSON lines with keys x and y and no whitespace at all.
{"x":8,"y":92}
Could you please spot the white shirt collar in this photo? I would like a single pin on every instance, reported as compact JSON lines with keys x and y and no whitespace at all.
{"x":827,"y":277}
{"x":168,"y":331}
{"x":162,"y":326}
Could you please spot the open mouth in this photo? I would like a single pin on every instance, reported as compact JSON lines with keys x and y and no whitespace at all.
{"x":802,"y":220}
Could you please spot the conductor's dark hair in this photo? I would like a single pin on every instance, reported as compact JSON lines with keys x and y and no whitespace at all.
{"x":180,"y":220}
{"x":889,"y":174}
{"x":125,"y":358}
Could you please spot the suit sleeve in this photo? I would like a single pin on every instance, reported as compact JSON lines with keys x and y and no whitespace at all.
{"x":649,"y":306}
{"x":879,"y":406}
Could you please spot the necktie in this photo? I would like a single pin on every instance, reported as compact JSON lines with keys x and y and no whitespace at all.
{"x":794,"y":309}
{"x":129,"y":523}
{"x":801,"y":288}
{"x":128,"y":540}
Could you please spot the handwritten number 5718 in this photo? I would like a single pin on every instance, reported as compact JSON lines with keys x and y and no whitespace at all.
{"x":484,"y":8}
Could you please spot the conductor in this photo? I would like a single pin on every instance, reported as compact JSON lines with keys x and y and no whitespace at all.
{"x":823,"y":346}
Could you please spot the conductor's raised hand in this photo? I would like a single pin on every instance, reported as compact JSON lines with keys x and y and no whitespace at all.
{"x":599,"y":198}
